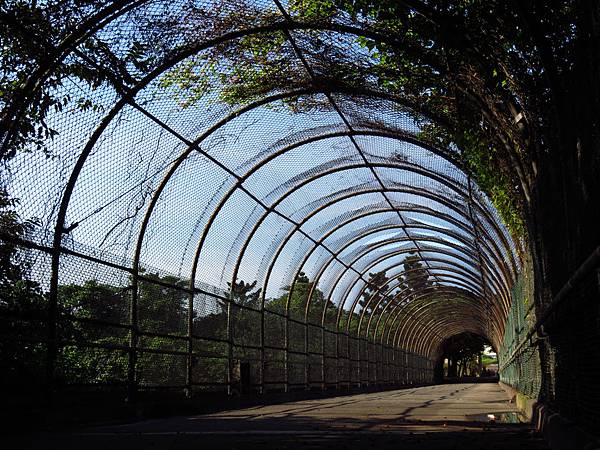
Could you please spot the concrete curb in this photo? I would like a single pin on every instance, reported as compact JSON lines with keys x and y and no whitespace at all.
{"x":524,"y":403}
{"x":559,"y":433}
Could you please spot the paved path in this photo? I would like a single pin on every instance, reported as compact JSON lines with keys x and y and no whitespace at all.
{"x":434,"y":417}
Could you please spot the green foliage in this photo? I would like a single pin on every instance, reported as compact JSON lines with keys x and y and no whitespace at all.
{"x":461,"y":351}
{"x":78,"y":364}
{"x":191,"y":80}
{"x":33,"y":69}
{"x":245,"y":323}
{"x":433,"y":71}
{"x":97,"y":301}
{"x":22,"y":303}
{"x":234,"y":73}
{"x":415,"y":278}
{"x":464,"y":70}
{"x":487,"y":360}
{"x":163,"y":309}
{"x":299,"y":298}
{"x":245,"y":294}
{"x":377,"y":285}
{"x":13,"y":264}
{"x":482,"y":162}
{"x":313,"y":9}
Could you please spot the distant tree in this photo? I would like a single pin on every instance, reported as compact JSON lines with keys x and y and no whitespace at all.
{"x":245,"y":323}
{"x":245,"y":294}
{"x":162,"y":309}
{"x":377,"y":285}
{"x":461,"y":351}
{"x":245,"y":330}
{"x":299,"y":297}
{"x":415,"y":278}
{"x":95,"y":300}
{"x":297,"y":308}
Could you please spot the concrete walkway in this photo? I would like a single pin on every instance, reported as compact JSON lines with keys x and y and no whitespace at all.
{"x":435,"y":417}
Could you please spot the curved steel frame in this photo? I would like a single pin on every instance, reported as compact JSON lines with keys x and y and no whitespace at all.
{"x":484,"y":262}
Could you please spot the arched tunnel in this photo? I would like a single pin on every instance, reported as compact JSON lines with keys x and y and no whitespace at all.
{"x":213,"y":200}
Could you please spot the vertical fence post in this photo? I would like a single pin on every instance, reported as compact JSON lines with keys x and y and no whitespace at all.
{"x":383,"y":364}
{"x":397,"y":367}
{"x":286,"y":354}
{"x":338,"y":365}
{"x":358,"y":361}
{"x":393,"y":370}
{"x":52,"y":319}
{"x":389,"y":365}
{"x":323,"y":369}
{"x":357,"y":372}
{"x":431,"y":369}
{"x":368,"y":356}
{"x":229,"y":347}
{"x":307,"y":356}
{"x":398,"y":360}
{"x":376,"y":363}
{"x":415,"y":369}
{"x":367,"y":360}
{"x":133,"y":337}
{"x":262,"y":350}
{"x":190,"y":350}
{"x":350,"y":362}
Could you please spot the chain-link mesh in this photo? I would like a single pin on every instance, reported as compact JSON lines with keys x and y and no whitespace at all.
{"x":520,"y":365}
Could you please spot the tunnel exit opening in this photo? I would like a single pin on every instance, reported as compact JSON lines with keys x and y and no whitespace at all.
{"x":467,"y":357}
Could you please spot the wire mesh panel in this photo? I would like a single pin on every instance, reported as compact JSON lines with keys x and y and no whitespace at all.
{"x":520,"y":367}
{"x":209,"y":365}
{"x":315,"y":372}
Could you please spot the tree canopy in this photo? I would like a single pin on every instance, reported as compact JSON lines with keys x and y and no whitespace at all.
{"x":474,"y":75}
{"x":415,"y":278}
{"x":375,"y":289}
{"x":460,"y":350}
